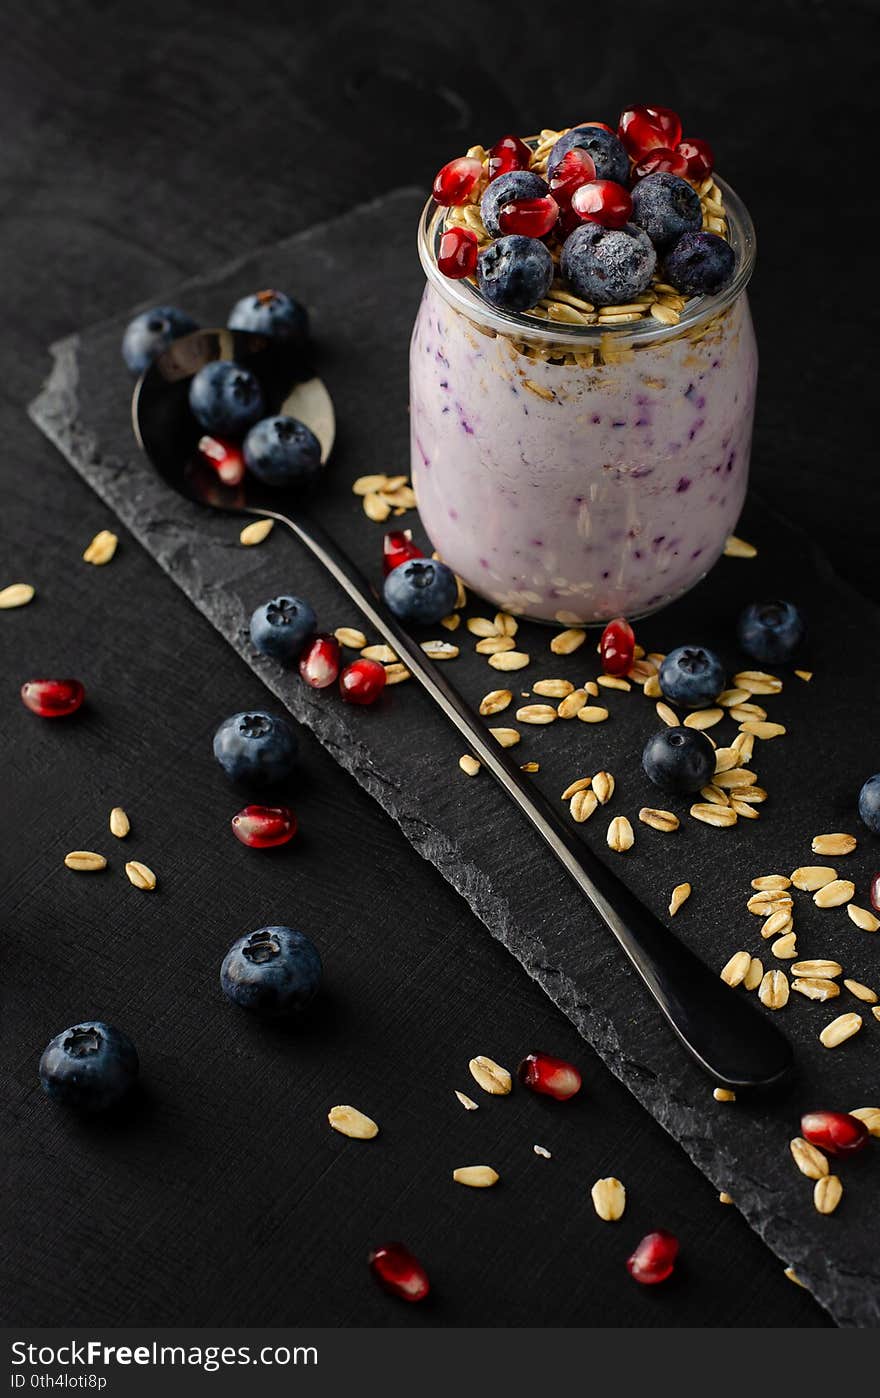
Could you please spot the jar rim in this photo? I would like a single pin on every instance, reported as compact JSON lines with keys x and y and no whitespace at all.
{"x":463,"y":297}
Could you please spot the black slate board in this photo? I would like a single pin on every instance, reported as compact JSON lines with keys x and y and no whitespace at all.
{"x":361,"y":277}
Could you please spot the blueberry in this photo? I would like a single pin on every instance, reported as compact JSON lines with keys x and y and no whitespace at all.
{"x":679,"y":760}
{"x":666,"y":206}
{"x":282,"y":451}
{"x":281,"y":627}
{"x":515,"y":272}
{"x":225,"y":398}
{"x":274,"y":970}
{"x":607,"y":150}
{"x":608,"y":266}
{"x":692,"y":676}
{"x":516,"y":184}
{"x":699,"y":264}
{"x":90,"y":1066}
{"x":869,"y":804}
{"x":271,"y":313}
{"x":256,"y":748}
{"x":770,"y":631}
{"x":421,"y":590}
{"x":150,"y":333}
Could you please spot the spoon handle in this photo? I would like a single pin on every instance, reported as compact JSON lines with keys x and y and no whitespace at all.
{"x":737,"y":1045}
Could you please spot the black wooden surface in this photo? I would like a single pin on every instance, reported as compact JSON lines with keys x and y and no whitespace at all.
{"x":140,"y":147}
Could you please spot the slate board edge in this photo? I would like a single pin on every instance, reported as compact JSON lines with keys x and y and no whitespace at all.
{"x":55,"y":412}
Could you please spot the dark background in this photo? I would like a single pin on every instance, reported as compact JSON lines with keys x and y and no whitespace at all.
{"x":143,"y":144}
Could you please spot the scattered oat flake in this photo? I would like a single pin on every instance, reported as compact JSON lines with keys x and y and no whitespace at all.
{"x":793,"y":1277}
{"x":861,"y":992}
{"x":85,"y":861}
{"x":870,"y":1116}
{"x":256,"y":532}
{"x":840,"y":1029}
{"x":507,"y":737}
{"x":140,"y":875}
{"x":827,"y":1194}
{"x":469,"y":765}
{"x":725,"y":1198}
{"x":620,"y":836}
{"x":837,"y":843}
{"x":724,"y":1094}
{"x":490,"y":1076}
{"x":566,"y":642}
{"x":16,"y":595}
{"x":102,"y":548}
{"x":543,"y":1152}
{"x":368,"y":485}
{"x":440,"y":650}
{"x":863,"y":917}
{"x":476,"y":1176}
{"x":467,"y":1102}
{"x":738,"y":548}
{"x":834,"y":894}
{"x":805,"y":675}
{"x":609,"y":1199}
{"x":348,"y":1121}
{"x":680,"y":894}
{"x":119,"y":823}
{"x":592,"y":713}
{"x":658,"y":819}
{"x":350,"y":637}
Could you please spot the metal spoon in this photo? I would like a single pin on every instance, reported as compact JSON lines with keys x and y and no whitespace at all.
{"x":727,"y":1036}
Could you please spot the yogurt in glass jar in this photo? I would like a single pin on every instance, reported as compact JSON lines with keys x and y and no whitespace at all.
{"x":572,"y":473}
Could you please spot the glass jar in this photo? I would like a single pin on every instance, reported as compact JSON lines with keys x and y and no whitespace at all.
{"x":574,"y":473}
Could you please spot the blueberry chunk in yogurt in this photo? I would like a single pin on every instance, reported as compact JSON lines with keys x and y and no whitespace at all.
{"x":770,"y":631}
{"x":700,"y":264}
{"x":691,"y":676}
{"x":516,"y":184}
{"x":514,"y":272}
{"x":225,"y":398}
{"x":422,"y":590}
{"x":271,"y":313}
{"x":283,"y":452}
{"x":679,"y":760}
{"x":89,"y":1067}
{"x":608,"y":266}
{"x":275,"y":971}
{"x":150,"y":334}
{"x":607,"y":151}
{"x":666,"y":207}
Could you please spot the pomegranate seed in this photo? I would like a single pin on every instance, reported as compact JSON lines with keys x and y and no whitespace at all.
{"x":225,"y":457}
{"x":457,"y":253}
{"x":534,"y":218}
{"x":456,"y":182}
{"x":395,"y":1268}
{"x":699,"y":156}
{"x":617,"y":647}
{"x":671,"y":162}
{"x":644,"y":128}
{"x":837,"y":1132}
{"x":264,"y":827}
{"x":510,"y":153}
{"x":397,"y":548}
{"x":654,"y":1258}
{"x":362,"y":682}
{"x":602,"y":201}
{"x":574,"y":169}
{"x":552,"y":1077}
{"x":52,"y":698}
{"x":875,"y":892}
{"x":319,"y":662}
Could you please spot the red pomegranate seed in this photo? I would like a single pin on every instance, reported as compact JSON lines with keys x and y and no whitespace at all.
{"x":456,"y":182}
{"x":644,"y":128}
{"x":52,"y":698}
{"x":320,"y":661}
{"x":510,"y":153}
{"x":699,"y":156}
{"x":264,"y":827}
{"x":395,"y":1268}
{"x":457,"y":253}
{"x":574,"y":169}
{"x":225,"y":457}
{"x":397,"y":548}
{"x":875,"y":892}
{"x":552,"y":1077}
{"x":671,"y":162}
{"x":602,"y":201}
{"x":654,"y":1258}
{"x":362,"y":682}
{"x":533,"y":218}
{"x":617,"y":647}
{"x":837,"y":1132}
